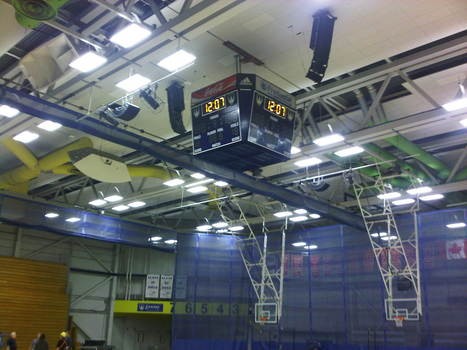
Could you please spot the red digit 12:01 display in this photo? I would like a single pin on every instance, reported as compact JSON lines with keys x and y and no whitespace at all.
{"x":214,"y":105}
{"x":275,"y":108}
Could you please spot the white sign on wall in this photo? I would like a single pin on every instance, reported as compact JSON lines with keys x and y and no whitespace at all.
{"x":152,"y":286}
{"x":166,"y":286}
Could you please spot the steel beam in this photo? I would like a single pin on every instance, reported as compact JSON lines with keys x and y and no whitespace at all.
{"x":43,"y":109}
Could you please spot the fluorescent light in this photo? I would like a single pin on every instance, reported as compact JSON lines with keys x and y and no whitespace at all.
{"x":198,"y":176}
{"x":49,"y":125}
{"x":350,"y":151}
{"x":328,"y":139}
{"x":456,"y":104}
{"x":432,"y":197}
{"x":389,"y":195}
{"x":170,"y":241}
{"x":220,"y":224}
{"x":404,"y":201}
{"x":314,"y":216}
{"x":135,"y":82}
{"x":308,"y":162}
{"x":197,"y":189}
{"x":283,"y":214}
{"x":174,"y":182}
{"x":51,"y":215}
{"x":201,"y":182}
{"x":131,"y":35}
{"x":137,"y":204}
{"x":300,"y":211}
{"x":73,"y":219}
{"x":121,"y":207}
{"x":221,"y":184}
{"x":299,"y":218}
{"x":203,"y":227}
{"x":419,"y":190}
{"x":154,"y":238}
{"x":299,"y":244}
{"x":26,"y":136}
{"x":222,"y":230}
{"x":311,"y":247}
{"x":388,"y":238}
{"x":98,"y":202}
{"x":88,"y":62}
{"x":113,"y":198}
{"x":177,"y":61}
{"x":456,"y":225}
{"x":7,"y":111}
{"x":295,"y":150}
{"x":236,"y":228}
{"x":379,"y":234}
{"x":464,"y":122}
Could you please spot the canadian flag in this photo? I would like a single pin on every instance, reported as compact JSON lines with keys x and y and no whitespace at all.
{"x":456,"y":249}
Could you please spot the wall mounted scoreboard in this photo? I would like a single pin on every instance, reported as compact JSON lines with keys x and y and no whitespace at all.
{"x":242,"y":122}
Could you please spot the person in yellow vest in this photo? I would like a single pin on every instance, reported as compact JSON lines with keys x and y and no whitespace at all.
{"x":62,"y":344}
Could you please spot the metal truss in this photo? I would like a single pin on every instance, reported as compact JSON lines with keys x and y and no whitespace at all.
{"x":265,"y":266}
{"x":395,"y":247}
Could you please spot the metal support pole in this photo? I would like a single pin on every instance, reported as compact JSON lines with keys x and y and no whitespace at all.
{"x":19,"y":239}
{"x":112,"y":294}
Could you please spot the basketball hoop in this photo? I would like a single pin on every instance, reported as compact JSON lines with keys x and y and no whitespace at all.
{"x":399,"y":321}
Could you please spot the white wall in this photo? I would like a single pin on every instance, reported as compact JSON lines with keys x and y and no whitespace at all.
{"x":91,"y":312}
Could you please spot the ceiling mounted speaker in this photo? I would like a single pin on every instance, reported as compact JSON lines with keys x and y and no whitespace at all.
{"x":321,"y":39}
{"x":176,"y":103}
{"x":100,"y":166}
{"x":49,"y":62}
{"x":29,"y":13}
{"x":127,"y":111}
{"x":403,"y":284}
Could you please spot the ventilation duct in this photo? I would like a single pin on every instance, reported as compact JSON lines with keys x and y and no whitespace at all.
{"x":30,"y":13}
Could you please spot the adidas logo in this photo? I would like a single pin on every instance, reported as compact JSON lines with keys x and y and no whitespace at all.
{"x":246,"y":81}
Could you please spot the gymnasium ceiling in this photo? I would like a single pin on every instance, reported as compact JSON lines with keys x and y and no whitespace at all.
{"x":369,"y":36}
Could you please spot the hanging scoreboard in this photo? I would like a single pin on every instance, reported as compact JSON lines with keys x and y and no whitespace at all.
{"x":243,"y":122}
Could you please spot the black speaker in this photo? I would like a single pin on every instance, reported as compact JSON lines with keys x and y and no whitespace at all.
{"x":321,"y":40}
{"x":403,"y":284}
{"x":127,"y":111}
{"x":176,"y":104}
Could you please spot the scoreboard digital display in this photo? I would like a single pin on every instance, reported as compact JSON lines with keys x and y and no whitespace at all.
{"x":214,"y":105}
{"x":275,"y":107}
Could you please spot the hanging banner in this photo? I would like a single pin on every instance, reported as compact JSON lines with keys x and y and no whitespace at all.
{"x":152,"y":287}
{"x":166,"y":286}
{"x":456,"y":249}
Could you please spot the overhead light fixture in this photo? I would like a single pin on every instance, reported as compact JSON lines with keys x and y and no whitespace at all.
{"x":88,"y":62}
{"x":350,"y":151}
{"x":432,"y":197}
{"x":49,"y":125}
{"x":308,"y":162}
{"x":464,"y":122}
{"x":113,"y":198}
{"x":197,"y":189}
{"x":404,"y":201}
{"x":177,"y":61}
{"x":137,"y":204}
{"x":149,"y":95}
{"x":171,"y":241}
{"x":121,"y":207}
{"x":221,"y":184}
{"x":389,"y":195}
{"x":203,"y":227}
{"x":419,"y":190}
{"x":328,"y":140}
{"x":51,"y":215}
{"x":222,"y":230}
{"x":134,"y":82}
{"x":220,"y":224}
{"x":388,"y":238}
{"x":379,"y":234}
{"x":98,"y":202}
{"x":26,"y":136}
{"x":295,"y":150}
{"x":299,"y":244}
{"x":73,"y":219}
{"x":283,"y":214}
{"x":300,"y":211}
{"x":314,"y":216}
{"x":198,"y":183}
{"x":154,"y":239}
{"x":311,"y":247}
{"x":299,"y":218}
{"x":453,"y":225}
{"x":236,"y":228}
{"x":459,"y":102}
{"x":7,"y":111}
{"x":130,"y":36}
{"x":198,"y":176}
{"x":174,"y":182}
